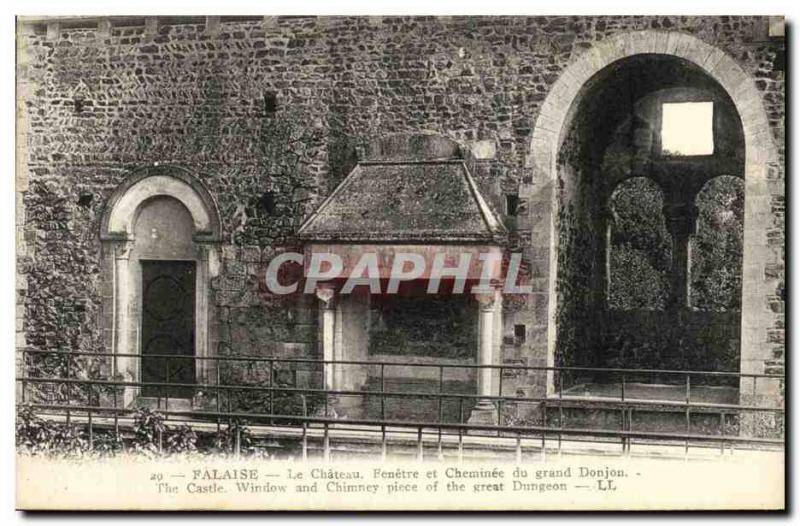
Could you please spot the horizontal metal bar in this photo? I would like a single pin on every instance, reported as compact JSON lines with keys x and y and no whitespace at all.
{"x":609,"y":403}
{"x":538,"y":430}
{"x":296,"y":431}
{"x":583,"y":402}
{"x":247,"y":358}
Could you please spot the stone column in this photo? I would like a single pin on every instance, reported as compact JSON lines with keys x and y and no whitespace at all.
{"x":681,"y":221}
{"x":205,"y":332}
{"x":485,"y":411}
{"x":125,"y":367}
{"x":328,"y":334}
{"x":608,"y":220}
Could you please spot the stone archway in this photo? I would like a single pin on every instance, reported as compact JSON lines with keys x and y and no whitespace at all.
{"x":182,"y":195}
{"x":160,"y":180}
{"x":760,"y":151}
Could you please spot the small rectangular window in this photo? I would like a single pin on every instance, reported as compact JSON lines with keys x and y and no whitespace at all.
{"x":687,"y":128}
{"x":270,"y":103}
{"x":512,"y":204}
{"x":519,"y":334}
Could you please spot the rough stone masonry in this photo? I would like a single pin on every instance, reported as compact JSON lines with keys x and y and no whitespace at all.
{"x":270,"y":114}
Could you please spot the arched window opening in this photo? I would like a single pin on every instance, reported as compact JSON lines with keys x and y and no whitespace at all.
{"x":716,"y":261}
{"x":640,"y":247}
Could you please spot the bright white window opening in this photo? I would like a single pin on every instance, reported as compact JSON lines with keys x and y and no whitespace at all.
{"x":687,"y":128}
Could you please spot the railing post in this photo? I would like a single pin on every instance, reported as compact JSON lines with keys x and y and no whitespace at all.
{"x":688,"y":415}
{"x":419,"y":443}
{"x":305,"y":441}
{"x":69,"y":394}
{"x":560,"y":380}
{"x":630,"y":426}
{"x":91,"y":431}
{"x":545,"y":425}
{"x":219,"y":399}
{"x":326,"y":444}
{"x":237,"y":443}
{"x":383,"y":392}
{"x":500,"y":400}
{"x":544,"y":445}
{"x":383,"y":443}
{"x":441,"y":392}
{"x":560,"y":409}
{"x":271,"y":391}
{"x":24,"y":371}
{"x":688,"y":388}
{"x":441,"y":413}
{"x":116,"y":419}
{"x":166,"y":388}
{"x":158,"y":387}
{"x":622,"y":427}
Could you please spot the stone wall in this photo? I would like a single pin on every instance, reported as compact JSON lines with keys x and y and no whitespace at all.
{"x":579,"y":233}
{"x":271,"y":113}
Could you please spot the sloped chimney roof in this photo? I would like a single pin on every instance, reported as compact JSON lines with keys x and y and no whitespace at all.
{"x":405,"y":201}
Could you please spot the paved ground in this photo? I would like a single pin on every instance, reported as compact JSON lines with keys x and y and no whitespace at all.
{"x":675,"y":393}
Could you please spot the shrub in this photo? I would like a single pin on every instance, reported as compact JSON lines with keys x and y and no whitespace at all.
{"x":224,"y":441}
{"x":181,"y":440}
{"x":148,"y":428}
{"x":38,"y":436}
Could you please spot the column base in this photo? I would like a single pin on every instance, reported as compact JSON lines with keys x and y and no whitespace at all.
{"x":483,"y":414}
{"x":129,"y":396}
{"x":349,"y":406}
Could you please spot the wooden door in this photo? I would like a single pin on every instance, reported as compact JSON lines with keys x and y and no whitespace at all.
{"x":168,"y":327}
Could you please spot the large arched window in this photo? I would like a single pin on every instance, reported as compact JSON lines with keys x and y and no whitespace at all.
{"x":716,"y":261}
{"x":639,"y":248}
{"x":590,"y":94}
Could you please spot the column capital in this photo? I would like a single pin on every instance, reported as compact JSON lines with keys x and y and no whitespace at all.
{"x":681,"y":218}
{"x":326,"y":295}
{"x":488,"y":300}
{"x":122,"y":249}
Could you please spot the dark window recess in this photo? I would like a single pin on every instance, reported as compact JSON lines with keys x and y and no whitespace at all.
{"x":779,"y":62}
{"x":512,"y":204}
{"x":270,"y":103}
{"x":267,"y":203}
{"x":85,"y":200}
{"x":79,"y":105}
{"x":519,"y":334}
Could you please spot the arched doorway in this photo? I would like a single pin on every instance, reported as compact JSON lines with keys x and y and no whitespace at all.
{"x":160,"y":231}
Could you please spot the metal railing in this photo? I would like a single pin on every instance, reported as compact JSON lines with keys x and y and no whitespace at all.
{"x":280,"y":404}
